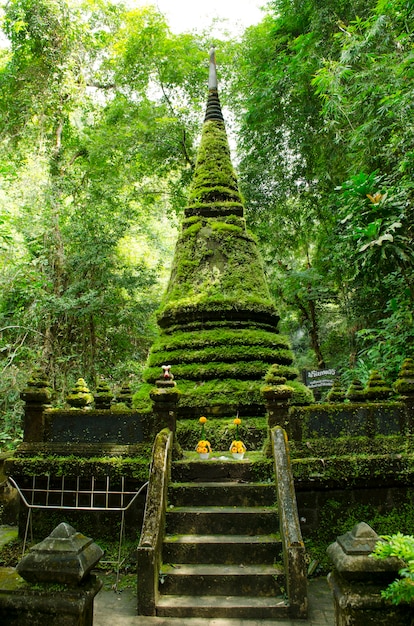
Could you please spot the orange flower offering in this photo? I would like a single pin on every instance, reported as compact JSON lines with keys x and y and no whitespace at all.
{"x":237,"y":447}
{"x":203,"y":447}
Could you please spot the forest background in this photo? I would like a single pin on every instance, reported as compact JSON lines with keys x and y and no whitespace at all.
{"x":100,"y":116}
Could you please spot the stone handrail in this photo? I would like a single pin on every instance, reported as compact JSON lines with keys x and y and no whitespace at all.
{"x":293,"y":546}
{"x":153,"y":527}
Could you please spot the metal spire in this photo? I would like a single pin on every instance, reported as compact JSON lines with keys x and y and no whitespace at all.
{"x":213,"y":111}
{"x":212,"y":78}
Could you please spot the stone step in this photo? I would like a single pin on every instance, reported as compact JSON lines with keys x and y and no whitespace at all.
{"x":222,"y":580}
{"x":240,"y":607}
{"x":221,"y":494}
{"x":223,"y":549}
{"x":222,"y":520}
{"x":228,"y":470}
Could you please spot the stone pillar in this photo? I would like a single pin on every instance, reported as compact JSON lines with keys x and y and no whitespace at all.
{"x":52,"y":584}
{"x":358,"y":579}
{"x":404,"y":385}
{"x":165,"y":397}
{"x":277,"y":407}
{"x":36,"y":396}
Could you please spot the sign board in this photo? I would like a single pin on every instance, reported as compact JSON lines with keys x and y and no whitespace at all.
{"x":315,"y":379}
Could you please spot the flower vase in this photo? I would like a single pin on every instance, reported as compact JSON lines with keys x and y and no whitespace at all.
{"x":203,"y":455}
{"x":238,"y":456}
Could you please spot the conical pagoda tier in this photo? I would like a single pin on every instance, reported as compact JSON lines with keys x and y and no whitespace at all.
{"x":218,"y":323}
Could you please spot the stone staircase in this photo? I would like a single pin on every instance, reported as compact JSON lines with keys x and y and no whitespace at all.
{"x":221,"y":553}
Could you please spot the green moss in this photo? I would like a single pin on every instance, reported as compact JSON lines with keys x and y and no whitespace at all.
{"x":229,"y":269}
{"x":224,"y":226}
{"x":219,"y":337}
{"x":193,"y":229}
{"x":336,"y":393}
{"x":228,"y":354}
{"x":405,"y":382}
{"x":301,"y":394}
{"x":376,"y":387}
{"x":115,"y":467}
{"x":214,"y":176}
{"x":324,"y":447}
{"x":356,"y":391}
{"x":348,"y":470}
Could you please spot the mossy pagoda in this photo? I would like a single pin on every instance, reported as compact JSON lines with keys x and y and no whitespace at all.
{"x":218,"y":323}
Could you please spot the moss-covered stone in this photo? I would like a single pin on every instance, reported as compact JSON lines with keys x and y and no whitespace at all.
{"x":214,"y":177}
{"x":336,"y":393}
{"x":103,"y":395}
{"x":71,"y":466}
{"x":80,"y":397}
{"x":376,"y":388}
{"x":218,"y":322}
{"x":404,"y":384}
{"x":125,"y":395}
{"x":356,"y":392}
{"x":38,"y":389}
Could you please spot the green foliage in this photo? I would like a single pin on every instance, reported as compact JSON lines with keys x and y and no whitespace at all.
{"x":100,"y":111}
{"x":11,"y":409}
{"x":97,"y":119}
{"x":322,"y":96}
{"x":402,"y":547}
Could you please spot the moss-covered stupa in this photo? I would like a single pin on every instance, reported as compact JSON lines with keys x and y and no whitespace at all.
{"x":218,"y":323}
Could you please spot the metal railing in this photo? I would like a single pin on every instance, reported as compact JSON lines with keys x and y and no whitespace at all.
{"x":76,"y":494}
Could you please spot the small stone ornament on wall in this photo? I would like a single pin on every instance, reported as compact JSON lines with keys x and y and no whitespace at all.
{"x":80,"y":397}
